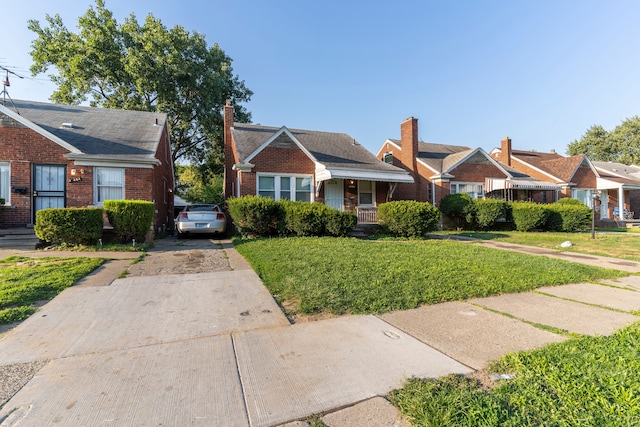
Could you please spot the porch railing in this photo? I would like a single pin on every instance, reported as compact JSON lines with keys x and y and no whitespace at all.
{"x":367,"y":215}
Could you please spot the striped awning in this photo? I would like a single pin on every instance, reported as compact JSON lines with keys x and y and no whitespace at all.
{"x":493,"y":184}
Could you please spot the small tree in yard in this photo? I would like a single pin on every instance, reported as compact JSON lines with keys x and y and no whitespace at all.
{"x":460,"y":208}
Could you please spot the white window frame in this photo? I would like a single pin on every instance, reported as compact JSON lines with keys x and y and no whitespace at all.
{"x":95,"y":184}
{"x":373,"y":194}
{"x":5,"y":182}
{"x":292,"y":184}
{"x":477,"y":193}
{"x":584,"y":195}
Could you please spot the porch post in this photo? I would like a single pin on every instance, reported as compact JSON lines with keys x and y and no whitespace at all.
{"x":621,"y":203}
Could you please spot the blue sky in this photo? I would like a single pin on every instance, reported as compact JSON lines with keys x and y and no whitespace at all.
{"x":472,"y":72}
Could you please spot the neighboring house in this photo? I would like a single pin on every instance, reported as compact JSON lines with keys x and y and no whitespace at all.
{"x":54,"y":156}
{"x":294,"y":164}
{"x":439,"y":170}
{"x":619,"y":187}
{"x":573,"y":176}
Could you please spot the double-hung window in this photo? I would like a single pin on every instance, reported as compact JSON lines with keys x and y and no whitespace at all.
{"x":5,"y":181}
{"x":365,"y":193}
{"x":285,"y":187}
{"x":475,"y":190}
{"x":109,"y":184}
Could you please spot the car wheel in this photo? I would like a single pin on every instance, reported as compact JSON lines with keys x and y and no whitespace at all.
{"x":180,"y":235}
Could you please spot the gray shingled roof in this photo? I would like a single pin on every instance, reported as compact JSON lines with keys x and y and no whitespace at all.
{"x":439,"y":157}
{"x":98,"y":132}
{"x":330,"y":149}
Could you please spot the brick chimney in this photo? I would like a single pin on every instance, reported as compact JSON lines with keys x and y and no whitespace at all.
{"x":505,"y":147}
{"x":409,"y":153}
{"x":409,"y":142}
{"x":228,"y":150}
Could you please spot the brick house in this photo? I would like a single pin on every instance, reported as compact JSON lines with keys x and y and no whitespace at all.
{"x":619,"y":188}
{"x":54,"y":155}
{"x":313,"y":166}
{"x":439,"y":169}
{"x":573,"y":176}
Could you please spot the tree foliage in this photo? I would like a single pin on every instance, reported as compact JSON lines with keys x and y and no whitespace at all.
{"x":199,"y":184}
{"x":145,"y":67}
{"x":620,"y":145}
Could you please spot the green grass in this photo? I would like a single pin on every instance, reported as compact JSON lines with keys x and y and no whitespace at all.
{"x":25,"y":281}
{"x":583,"y":381}
{"x":620,"y":244}
{"x":314,"y":275}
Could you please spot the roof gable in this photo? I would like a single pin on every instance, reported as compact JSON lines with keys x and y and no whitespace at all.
{"x":282,"y":138}
{"x":328,"y":149}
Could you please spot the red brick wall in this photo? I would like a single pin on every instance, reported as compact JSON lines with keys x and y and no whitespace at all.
{"x":584,"y":177}
{"x":476,"y":169}
{"x":277,"y":160}
{"x":23,"y":148}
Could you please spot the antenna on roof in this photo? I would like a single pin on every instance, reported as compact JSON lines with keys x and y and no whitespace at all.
{"x":6,"y":84}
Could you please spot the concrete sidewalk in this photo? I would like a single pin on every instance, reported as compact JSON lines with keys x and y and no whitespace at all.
{"x":215,"y":349}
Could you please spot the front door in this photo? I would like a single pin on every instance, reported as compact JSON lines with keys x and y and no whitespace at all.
{"x":334,"y":193}
{"x":48,"y":187}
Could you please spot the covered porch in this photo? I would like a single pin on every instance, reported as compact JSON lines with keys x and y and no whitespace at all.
{"x":358,"y":190}
{"x":615,"y":199}
{"x":509,"y":190}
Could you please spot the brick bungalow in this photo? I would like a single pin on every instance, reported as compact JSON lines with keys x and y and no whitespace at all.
{"x":439,"y":169}
{"x":573,"y":176}
{"x":54,"y":155}
{"x":313,"y":166}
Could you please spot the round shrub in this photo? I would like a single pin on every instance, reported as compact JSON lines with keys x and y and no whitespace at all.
{"x":528,"y":216}
{"x":130,"y":219}
{"x":256,"y":215}
{"x":488,"y":211}
{"x":408,"y":218}
{"x":74,"y":226}
{"x":460,"y":208}
{"x":340,"y":224}
{"x":306,"y":219}
{"x":568,"y":216}
{"x":569,"y":201}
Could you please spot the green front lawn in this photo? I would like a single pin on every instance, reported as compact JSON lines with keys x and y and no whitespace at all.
{"x":340,"y":276}
{"x":26,"y":281}
{"x":583,"y":381}
{"x":621,"y":244}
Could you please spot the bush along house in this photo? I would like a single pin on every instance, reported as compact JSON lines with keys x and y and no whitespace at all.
{"x":304,"y":165}
{"x":55,"y":156}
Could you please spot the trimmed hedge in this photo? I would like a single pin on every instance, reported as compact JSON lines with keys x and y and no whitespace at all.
{"x":529,"y":216}
{"x":69,"y":225}
{"x":460,"y":208}
{"x":488,"y":211}
{"x":408,"y":218}
{"x":568,"y":216}
{"x":130,"y":219}
{"x":340,"y":224}
{"x":262,"y":217}
{"x":256,"y":215}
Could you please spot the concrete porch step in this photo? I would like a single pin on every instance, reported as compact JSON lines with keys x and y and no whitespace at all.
{"x":18,"y":238}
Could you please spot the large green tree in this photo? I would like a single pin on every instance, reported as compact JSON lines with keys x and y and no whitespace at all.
{"x":620,"y":145}
{"x":144,"y":67}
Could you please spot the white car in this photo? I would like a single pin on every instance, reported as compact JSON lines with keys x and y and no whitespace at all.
{"x":201,"y":219}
